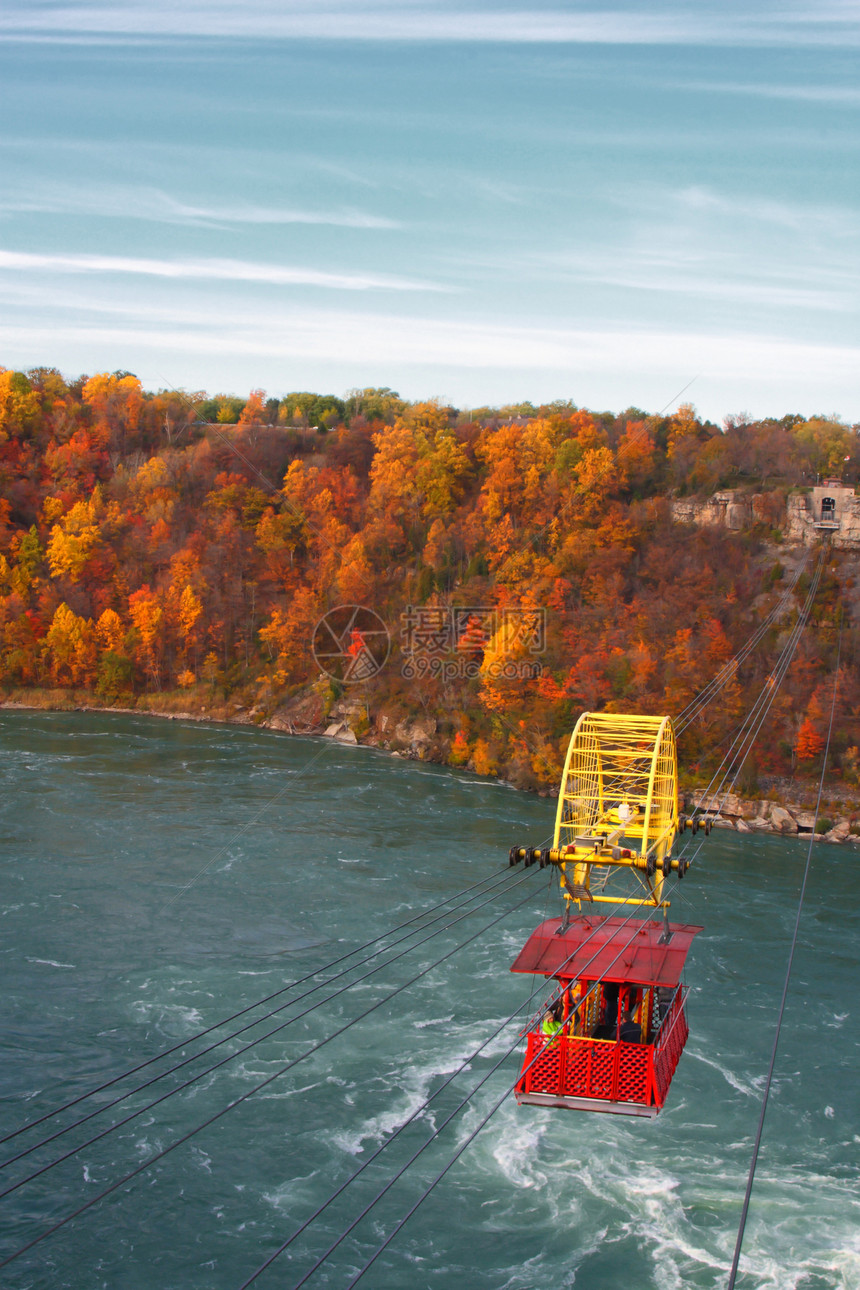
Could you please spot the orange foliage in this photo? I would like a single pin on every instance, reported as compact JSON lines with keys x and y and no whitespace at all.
{"x":134,"y":537}
{"x":809,"y":742}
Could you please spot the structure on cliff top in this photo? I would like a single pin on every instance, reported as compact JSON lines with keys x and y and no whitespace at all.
{"x":830,"y":507}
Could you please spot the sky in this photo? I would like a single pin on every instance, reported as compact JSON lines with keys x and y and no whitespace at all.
{"x":623,"y":206}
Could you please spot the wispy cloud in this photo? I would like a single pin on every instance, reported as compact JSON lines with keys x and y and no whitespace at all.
{"x":844,"y":95}
{"x":381,"y":341}
{"x":832,"y":23}
{"x":154,"y":204}
{"x":742,"y":249}
{"x":812,"y":219}
{"x":213,"y":270}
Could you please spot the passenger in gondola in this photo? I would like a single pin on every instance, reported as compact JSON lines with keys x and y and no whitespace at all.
{"x":553,"y":1020}
{"x":630,"y":1032}
{"x":609,"y":1024}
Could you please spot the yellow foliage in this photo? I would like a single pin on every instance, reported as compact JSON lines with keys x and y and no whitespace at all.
{"x":420,"y":466}
{"x":355,"y":576}
{"x":73,"y":540}
{"x":483,"y":761}
{"x":70,"y":644}
{"x":684,"y":425}
{"x":110,"y":631}
{"x":19,"y":405}
{"x":597,"y":477}
{"x":152,"y":474}
{"x":116,"y":400}
{"x":52,"y":509}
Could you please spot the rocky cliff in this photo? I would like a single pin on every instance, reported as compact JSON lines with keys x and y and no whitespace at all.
{"x":737,"y":510}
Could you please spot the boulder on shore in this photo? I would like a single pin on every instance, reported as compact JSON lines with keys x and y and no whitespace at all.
{"x":782,"y":821}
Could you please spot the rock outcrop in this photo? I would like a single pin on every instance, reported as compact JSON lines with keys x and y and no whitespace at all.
{"x":802,"y":521}
{"x":758,"y":815}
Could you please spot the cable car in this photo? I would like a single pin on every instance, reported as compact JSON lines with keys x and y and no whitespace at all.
{"x":618,"y":1026}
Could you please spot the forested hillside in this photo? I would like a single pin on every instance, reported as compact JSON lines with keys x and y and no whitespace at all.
{"x":175,"y":551}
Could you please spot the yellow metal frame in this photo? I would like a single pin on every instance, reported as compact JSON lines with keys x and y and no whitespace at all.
{"x":617,"y":805}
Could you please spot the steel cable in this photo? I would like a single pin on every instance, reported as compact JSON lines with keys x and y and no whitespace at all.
{"x":185,"y":1043}
{"x":146,"y":1164}
{"x":789,"y":965}
{"x":242,"y":1012}
{"x":748,"y":732}
{"x":436,"y":1133}
{"x":632,"y":915}
{"x":223,"y":1062}
{"x":728,"y":670}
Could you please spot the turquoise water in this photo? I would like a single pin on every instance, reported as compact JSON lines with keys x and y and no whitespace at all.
{"x":134,"y":914}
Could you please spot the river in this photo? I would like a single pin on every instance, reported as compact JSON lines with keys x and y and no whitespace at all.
{"x":160,"y":876}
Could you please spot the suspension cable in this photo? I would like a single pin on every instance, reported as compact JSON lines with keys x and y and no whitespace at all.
{"x":748,"y":729}
{"x":437,"y":1131}
{"x":293,"y":985}
{"x":224,"y":1060}
{"x":789,"y":965}
{"x":146,"y":1164}
{"x":632,"y":915}
{"x":419,"y":1111}
{"x":252,"y":1024}
{"x":185,"y":1043}
{"x":729,"y":669}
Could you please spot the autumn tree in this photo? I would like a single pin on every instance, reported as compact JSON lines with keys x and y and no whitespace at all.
{"x":115,"y":401}
{"x":71,"y":648}
{"x":809,"y":742}
{"x":19,"y":405}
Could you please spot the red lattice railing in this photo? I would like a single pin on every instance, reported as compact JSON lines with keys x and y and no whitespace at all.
{"x":603,"y":1069}
{"x":671,"y":1038}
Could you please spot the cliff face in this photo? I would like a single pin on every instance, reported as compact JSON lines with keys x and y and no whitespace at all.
{"x":803,"y":521}
{"x":752,"y":815}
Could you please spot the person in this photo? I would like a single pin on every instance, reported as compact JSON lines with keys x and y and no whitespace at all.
{"x":607,"y":1028}
{"x":630,"y":1031}
{"x":553,"y":1019}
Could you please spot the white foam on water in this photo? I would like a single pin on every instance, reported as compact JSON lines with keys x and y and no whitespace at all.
{"x":51,"y":963}
{"x":166,"y":1015}
{"x":287,"y":1194}
{"x":414,"y":1087}
{"x":749,"y":1089}
{"x":271,"y":1094}
{"x":516,"y":1154}
{"x":433,"y":1021}
{"x":201,"y":1158}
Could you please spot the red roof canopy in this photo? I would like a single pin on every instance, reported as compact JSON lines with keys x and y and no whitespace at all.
{"x":607,"y":949}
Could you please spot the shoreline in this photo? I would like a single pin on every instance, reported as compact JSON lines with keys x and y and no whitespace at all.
{"x":789,"y":819}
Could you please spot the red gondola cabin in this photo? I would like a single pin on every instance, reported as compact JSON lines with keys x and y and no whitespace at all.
{"x":605,"y":965}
